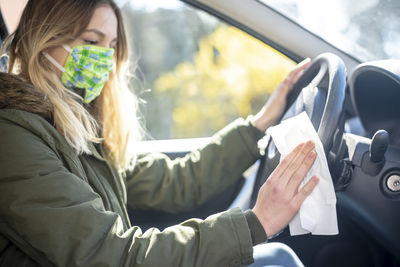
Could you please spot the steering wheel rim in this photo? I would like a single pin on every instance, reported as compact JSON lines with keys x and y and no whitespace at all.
{"x":320,"y":92}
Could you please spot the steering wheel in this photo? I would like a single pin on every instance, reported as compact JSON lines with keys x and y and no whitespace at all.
{"x":320,"y":92}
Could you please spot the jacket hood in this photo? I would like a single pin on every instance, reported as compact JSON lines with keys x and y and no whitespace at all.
{"x":16,"y":93}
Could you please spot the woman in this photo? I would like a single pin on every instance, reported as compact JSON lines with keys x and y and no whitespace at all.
{"x":67,"y":172}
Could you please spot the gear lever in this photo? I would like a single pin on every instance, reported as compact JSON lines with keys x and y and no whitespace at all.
{"x":378,"y":146}
{"x":373,"y":162}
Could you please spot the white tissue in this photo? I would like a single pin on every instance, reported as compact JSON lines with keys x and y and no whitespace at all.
{"x":317,"y":214}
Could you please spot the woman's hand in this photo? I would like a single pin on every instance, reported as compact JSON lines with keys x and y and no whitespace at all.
{"x":279,"y":199}
{"x":275,"y":105}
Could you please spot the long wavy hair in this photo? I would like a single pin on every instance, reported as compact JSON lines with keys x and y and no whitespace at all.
{"x":112,"y":118}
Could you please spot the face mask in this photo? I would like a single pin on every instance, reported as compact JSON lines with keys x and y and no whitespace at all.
{"x":87,"y":68}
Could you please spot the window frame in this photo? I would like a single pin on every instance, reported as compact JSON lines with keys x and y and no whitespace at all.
{"x":310,"y":46}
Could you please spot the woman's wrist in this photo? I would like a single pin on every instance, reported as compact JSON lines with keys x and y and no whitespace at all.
{"x":262,"y":121}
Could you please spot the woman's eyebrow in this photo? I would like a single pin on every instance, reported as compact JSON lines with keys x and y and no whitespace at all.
{"x":96,"y":32}
{"x":101,"y":34}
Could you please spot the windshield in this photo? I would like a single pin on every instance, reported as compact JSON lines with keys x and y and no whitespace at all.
{"x":365,"y":29}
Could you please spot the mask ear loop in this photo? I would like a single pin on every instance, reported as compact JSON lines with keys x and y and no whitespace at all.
{"x":67,"y":48}
{"x":55,"y":63}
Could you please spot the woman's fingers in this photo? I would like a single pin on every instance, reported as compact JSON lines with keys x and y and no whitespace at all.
{"x":286,"y":162}
{"x":296,"y":73}
{"x":301,"y":67}
{"x":294,"y":76}
{"x":301,"y":172}
{"x":304,"y":192}
{"x":297,"y":163}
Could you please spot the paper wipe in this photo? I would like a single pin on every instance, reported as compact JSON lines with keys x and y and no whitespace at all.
{"x":317,"y":214}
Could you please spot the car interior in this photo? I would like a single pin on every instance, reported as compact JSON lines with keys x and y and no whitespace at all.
{"x":354,"y":107}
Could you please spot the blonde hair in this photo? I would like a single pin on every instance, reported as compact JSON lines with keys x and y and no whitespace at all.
{"x":113,"y":113}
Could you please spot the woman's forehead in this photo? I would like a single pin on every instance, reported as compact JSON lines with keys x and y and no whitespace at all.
{"x":104,"y":20}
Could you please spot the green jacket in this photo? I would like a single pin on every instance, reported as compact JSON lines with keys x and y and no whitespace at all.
{"x":58,"y":208}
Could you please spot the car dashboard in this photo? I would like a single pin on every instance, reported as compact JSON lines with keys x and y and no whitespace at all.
{"x":369,"y":184}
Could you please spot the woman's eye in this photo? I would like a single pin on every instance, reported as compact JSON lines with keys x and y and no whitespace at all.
{"x":90,"y":42}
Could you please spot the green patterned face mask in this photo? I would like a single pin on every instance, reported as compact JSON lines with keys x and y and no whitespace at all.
{"x":87,"y":68}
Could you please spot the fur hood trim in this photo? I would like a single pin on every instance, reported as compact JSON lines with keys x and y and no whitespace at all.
{"x":16,"y":93}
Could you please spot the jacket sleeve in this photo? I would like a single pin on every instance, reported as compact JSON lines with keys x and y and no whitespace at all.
{"x":182,"y":184}
{"x":56,"y":218}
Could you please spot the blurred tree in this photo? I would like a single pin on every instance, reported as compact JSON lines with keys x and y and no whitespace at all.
{"x":231,"y":75}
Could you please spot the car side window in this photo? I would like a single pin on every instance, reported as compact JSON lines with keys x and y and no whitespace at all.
{"x":202,"y":73}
